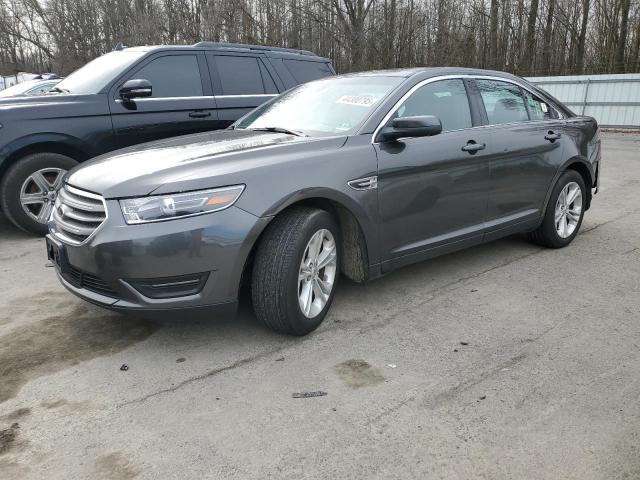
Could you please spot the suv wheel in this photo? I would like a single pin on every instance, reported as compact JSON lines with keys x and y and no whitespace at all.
{"x":29,"y":188}
{"x":295,"y":271}
{"x":564,"y":214}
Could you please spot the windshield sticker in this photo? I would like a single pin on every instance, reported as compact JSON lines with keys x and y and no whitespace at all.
{"x":358,"y":100}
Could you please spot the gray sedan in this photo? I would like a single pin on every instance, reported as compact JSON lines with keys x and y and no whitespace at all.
{"x":357,"y":174}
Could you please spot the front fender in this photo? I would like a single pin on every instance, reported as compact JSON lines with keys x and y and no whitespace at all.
{"x":43,"y":138}
{"x":363,"y":208}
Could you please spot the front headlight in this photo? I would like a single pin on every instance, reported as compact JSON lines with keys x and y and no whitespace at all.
{"x":166,"y":207}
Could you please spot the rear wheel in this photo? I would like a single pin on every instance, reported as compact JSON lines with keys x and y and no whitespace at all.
{"x":564,"y":213}
{"x":295,"y":271}
{"x":29,"y":188}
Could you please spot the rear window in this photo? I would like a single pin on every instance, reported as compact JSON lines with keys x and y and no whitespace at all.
{"x":242,"y":75}
{"x":304,"y":71}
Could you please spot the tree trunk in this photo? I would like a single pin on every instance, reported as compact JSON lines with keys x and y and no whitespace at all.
{"x":493,"y":35}
{"x":548,"y":38}
{"x":583,"y":36}
{"x":622,"y":38}
{"x":529,"y":50}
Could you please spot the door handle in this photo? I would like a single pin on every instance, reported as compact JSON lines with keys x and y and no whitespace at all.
{"x":552,"y":136}
{"x":199,"y":114}
{"x":472,"y":147}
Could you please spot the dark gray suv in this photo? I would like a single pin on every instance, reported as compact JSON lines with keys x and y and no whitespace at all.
{"x":131,"y":96}
{"x":357,"y":174}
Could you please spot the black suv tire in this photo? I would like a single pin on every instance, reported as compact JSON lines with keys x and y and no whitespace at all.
{"x":14,"y":180}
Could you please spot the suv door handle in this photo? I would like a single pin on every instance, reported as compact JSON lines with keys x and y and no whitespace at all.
{"x":552,"y":136}
{"x":199,"y":114}
{"x":472,"y":147}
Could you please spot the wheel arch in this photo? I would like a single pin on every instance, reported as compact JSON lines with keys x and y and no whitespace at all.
{"x":584,"y":168}
{"x":42,"y":143}
{"x":356,"y":244}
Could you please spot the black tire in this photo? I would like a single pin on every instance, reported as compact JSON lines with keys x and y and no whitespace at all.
{"x":274,"y":281}
{"x":547,"y":235}
{"x":14,"y":179}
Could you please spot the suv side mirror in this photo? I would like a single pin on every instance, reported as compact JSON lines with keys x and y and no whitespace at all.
{"x":138,"y":88}
{"x":419,"y":126}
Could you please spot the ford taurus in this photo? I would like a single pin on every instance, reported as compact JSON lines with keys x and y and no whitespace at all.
{"x":356,"y":175}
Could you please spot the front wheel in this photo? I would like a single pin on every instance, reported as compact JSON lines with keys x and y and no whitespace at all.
{"x":29,"y":188}
{"x":295,"y":271}
{"x":564,"y":213}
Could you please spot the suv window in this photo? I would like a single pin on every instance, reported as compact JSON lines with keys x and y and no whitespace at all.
{"x":446,"y":99}
{"x":503,"y":102}
{"x":304,"y":71}
{"x":242,"y":75}
{"x":538,"y":109}
{"x":173,"y":76}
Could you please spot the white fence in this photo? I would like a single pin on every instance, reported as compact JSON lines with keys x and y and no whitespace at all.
{"x":613,"y":100}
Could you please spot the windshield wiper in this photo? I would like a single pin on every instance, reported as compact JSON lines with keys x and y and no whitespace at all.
{"x":279,"y":130}
{"x":59,"y":90}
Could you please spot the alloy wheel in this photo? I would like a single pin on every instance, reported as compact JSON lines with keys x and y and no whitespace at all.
{"x":317,"y":273}
{"x":568,"y":210}
{"x":39,"y":191}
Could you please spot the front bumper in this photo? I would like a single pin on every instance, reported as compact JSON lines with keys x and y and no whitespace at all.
{"x":108,"y":268}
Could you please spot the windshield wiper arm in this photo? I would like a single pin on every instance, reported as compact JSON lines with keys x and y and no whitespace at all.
{"x":59,"y":90}
{"x":279,"y":130}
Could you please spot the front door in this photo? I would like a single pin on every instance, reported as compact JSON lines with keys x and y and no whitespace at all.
{"x":182,"y":100}
{"x":433,"y":190}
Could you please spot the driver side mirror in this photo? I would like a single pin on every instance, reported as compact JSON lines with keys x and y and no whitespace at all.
{"x":418,"y":126}
{"x":139,"y":88}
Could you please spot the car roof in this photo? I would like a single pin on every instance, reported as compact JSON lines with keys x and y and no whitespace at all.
{"x":237,"y":47}
{"x":428,"y":72}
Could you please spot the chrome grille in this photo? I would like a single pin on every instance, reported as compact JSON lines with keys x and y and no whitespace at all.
{"x":77,"y":215}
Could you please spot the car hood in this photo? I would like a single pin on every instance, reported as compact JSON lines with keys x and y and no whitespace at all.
{"x":190,"y":162}
{"x":51,"y":107}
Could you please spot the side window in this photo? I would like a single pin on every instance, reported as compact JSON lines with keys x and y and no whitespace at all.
{"x":173,"y":76}
{"x":40,"y":89}
{"x":242,"y":76}
{"x":446,"y":99}
{"x":538,"y":109}
{"x":304,"y":71}
{"x":503,"y":102}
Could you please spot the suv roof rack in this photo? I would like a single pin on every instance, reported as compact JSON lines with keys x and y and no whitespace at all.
{"x":243,"y":46}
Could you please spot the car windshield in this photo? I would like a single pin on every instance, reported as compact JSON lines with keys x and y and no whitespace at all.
{"x":19,"y":88}
{"x":95,"y":75}
{"x":323,"y":107}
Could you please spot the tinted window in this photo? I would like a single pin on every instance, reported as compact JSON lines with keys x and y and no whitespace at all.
{"x":173,"y":76}
{"x":306,"y":71}
{"x":269,"y":85}
{"x":446,"y":99}
{"x":538,"y":109}
{"x":503,"y":102}
{"x":242,"y":76}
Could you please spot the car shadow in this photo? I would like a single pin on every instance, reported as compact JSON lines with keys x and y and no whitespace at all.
{"x":8,"y":231}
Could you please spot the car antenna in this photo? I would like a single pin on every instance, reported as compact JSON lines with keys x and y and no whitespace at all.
{"x":120,"y":46}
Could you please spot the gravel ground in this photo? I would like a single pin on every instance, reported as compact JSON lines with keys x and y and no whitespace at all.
{"x":505,"y":361}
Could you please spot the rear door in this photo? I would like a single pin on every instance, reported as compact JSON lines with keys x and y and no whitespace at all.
{"x":241,"y":82}
{"x":182,"y":100}
{"x":433,"y":190}
{"x":529,"y":145}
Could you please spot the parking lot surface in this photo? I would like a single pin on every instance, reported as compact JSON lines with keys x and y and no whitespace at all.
{"x":505,"y":361}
